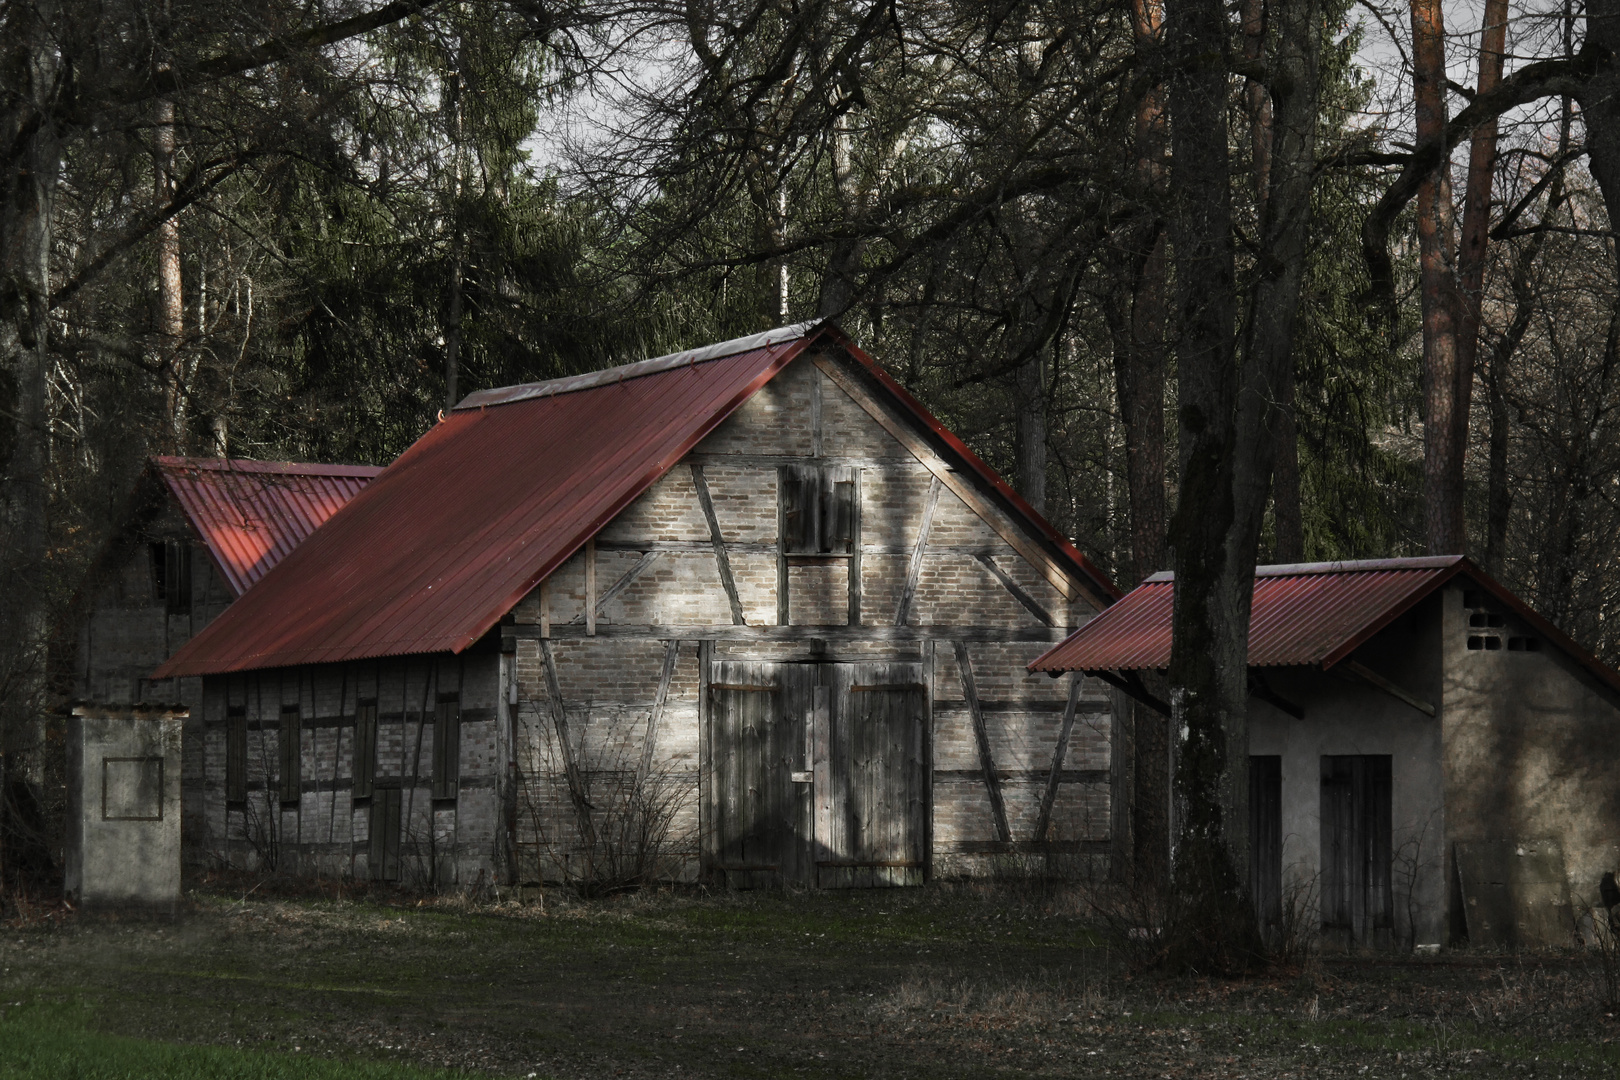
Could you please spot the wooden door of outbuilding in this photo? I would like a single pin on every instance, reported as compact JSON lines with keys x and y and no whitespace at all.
{"x":1357,"y":902}
{"x":818,"y":773}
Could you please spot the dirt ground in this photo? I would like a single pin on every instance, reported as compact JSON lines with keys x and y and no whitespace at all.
{"x":936,"y":982}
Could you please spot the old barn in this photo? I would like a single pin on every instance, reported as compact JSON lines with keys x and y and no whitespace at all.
{"x":747,"y":611}
{"x":1430,"y":760}
{"x":198,"y":532}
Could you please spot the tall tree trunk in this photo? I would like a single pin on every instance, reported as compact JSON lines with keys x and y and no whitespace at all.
{"x":1135,"y":308}
{"x":1444,"y":526}
{"x":1030,"y":430}
{"x":1499,"y":493}
{"x":1287,"y":517}
{"x":843,"y":255}
{"x":1208,"y":669}
{"x":169,"y":319}
{"x":32,"y":68}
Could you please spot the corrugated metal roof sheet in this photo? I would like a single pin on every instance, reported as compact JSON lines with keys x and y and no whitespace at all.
{"x":252,"y":513}
{"x":473,"y":516}
{"x":499,"y":494}
{"x":1303,"y":614}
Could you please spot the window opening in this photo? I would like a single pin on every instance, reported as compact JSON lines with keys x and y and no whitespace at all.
{"x":447,"y":748}
{"x":171,"y":575}
{"x":292,"y":758}
{"x":818,"y":510}
{"x":236,"y":754}
{"x":365,"y":748}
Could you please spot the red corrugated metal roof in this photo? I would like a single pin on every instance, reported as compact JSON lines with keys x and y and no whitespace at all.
{"x":250,"y":514}
{"x":1303,"y":614}
{"x":491,"y":500}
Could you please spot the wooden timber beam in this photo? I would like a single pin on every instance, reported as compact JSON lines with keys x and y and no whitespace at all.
{"x":1043,"y":819}
{"x":1261,"y":690}
{"x":981,"y":736}
{"x":625,"y":581}
{"x":833,"y":634}
{"x":1131,"y":683}
{"x":559,"y":723}
{"x":914,"y":569}
{"x":1391,"y":688}
{"x":1030,"y":604}
{"x":590,"y":587}
{"x":719,"y":543}
{"x":672,"y":654}
{"x":992,"y":515}
{"x":1026,"y":847}
{"x":967,"y":551}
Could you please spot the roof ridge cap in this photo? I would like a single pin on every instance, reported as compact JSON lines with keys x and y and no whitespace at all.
{"x":567,"y":384}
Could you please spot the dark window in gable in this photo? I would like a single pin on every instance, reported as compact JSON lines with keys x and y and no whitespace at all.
{"x":236,"y":754}
{"x":447,"y":749}
{"x":819,"y":510}
{"x":292,"y":758}
{"x":171,"y":575}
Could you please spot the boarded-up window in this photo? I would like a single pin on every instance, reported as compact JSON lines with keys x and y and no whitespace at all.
{"x":171,"y":575}
{"x":1265,"y":837}
{"x":447,"y":749}
{"x":236,"y":754}
{"x":819,"y":510}
{"x":383,"y":836}
{"x":292,"y":758}
{"x":1356,"y":836}
{"x":365,"y":748}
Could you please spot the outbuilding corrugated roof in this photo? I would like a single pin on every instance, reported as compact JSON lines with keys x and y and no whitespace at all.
{"x":1303,"y":614}
{"x":505,"y":489}
{"x":251,"y":514}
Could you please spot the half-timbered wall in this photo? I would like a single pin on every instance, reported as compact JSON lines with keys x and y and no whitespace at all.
{"x":692,"y":580}
{"x":320,"y":823}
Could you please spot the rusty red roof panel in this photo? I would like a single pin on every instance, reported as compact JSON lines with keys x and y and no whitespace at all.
{"x":251,"y":514}
{"x":1302,"y":614}
{"x":470,"y":518}
{"x":500,"y":493}
{"x":1305,"y":613}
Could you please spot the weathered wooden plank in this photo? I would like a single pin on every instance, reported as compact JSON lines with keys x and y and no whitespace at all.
{"x":832,"y":633}
{"x":672,"y":654}
{"x":720,"y":557}
{"x":545,"y":608}
{"x":914,"y":570}
{"x":1024,"y":847}
{"x":1029,"y":602}
{"x":821,"y":767}
{"x":1043,"y":819}
{"x":590,"y":588}
{"x":746,"y":547}
{"x":855,"y":548}
{"x":708,"y":838}
{"x":784,"y":596}
{"x":815,"y":417}
{"x":992,"y":515}
{"x":1024,"y":776}
{"x":981,"y":736}
{"x":899,"y":464}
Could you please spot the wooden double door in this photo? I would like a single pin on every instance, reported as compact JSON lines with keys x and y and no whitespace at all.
{"x":818,"y":774}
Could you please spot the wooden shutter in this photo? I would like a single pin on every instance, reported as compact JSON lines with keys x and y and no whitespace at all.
{"x":177,"y":577}
{"x":818,"y":510}
{"x":382,"y":838}
{"x":236,"y":754}
{"x":447,"y":750}
{"x":365,"y":749}
{"x":292,"y":758}
{"x":838,"y":515}
{"x":1356,"y":843}
{"x":1265,"y":837}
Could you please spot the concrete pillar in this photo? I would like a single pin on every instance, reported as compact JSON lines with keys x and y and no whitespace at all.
{"x":123,"y":821}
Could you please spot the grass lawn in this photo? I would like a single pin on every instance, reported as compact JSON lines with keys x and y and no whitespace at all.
{"x":56,"y":1043}
{"x":939,"y":982}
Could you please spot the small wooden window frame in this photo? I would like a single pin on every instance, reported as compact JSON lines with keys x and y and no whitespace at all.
{"x":447,"y":747}
{"x":290,"y":747}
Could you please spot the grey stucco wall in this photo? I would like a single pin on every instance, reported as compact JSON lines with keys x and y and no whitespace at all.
{"x":1344,"y":715}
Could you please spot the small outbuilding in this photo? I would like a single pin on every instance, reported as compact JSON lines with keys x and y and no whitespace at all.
{"x":1430,"y":760}
{"x":197,"y":533}
{"x":746,"y":611}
